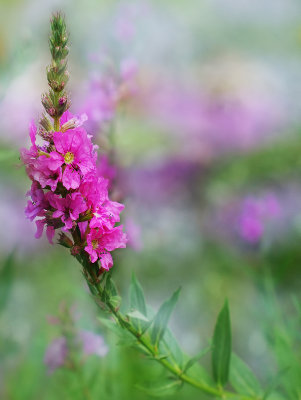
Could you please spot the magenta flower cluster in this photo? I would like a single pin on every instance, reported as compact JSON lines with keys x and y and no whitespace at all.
{"x":68,"y":192}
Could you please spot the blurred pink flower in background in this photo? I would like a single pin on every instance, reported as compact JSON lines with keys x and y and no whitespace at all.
{"x":255,"y":214}
{"x":105,"y":91}
{"x":57,"y":353}
{"x":269,"y":216}
{"x":133,"y":231}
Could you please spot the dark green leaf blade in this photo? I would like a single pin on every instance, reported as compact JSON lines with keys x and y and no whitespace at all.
{"x":162,"y":317}
{"x":196,"y":358}
{"x":221,"y":352}
{"x":242,"y":378}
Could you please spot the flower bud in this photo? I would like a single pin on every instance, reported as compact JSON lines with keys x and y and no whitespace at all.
{"x":46,"y":124}
{"x":65,"y":241}
{"x":62,"y":100}
{"x":51,"y":111}
{"x":75,"y":250}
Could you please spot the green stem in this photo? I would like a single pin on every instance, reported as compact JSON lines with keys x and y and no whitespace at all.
{"x":175,"y":370}
{"x":56,"y":124}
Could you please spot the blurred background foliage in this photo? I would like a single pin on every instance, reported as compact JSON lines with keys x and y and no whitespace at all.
{"x":207,"y":142}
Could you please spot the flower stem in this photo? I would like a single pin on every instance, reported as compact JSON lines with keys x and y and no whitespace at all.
{"x":152,"y":351}
{"x":56,"y":124}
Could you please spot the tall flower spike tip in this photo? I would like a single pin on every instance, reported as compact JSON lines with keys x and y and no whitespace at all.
{"x":68,"y":194}
{"x":56,"y":102}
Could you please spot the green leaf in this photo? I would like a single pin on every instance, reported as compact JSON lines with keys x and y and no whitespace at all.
{"x":221,"y":352}
{"x":110,"y":286}
{"x":196,"y":358}
{"x":137,"y":301}
{"x":162,"y":317}
{"x":172,"y":346}
{"x":115,"y":301}
{"x":164,"y":390}
{"x":112,"y":326}
{"x":137,"y":315}
{"x":242,"y":378}
{"x":6,"y":280}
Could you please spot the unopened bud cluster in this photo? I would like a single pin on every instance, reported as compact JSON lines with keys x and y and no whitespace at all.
{"x":56,"y":102}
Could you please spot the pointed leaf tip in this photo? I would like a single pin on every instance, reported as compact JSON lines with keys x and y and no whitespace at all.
{"x":162,"y":317}
{"x":137,"y":300}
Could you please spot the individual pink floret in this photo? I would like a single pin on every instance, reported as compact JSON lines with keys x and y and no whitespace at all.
{"x":75,"y":151}
{"x":99,"y":243}
{"x":68,"y":208}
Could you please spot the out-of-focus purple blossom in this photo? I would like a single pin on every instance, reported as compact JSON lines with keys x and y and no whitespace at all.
{"x":56,"y":354}
{"x":134,"y":234}
{"x":105,"y":92}
{"x":92,"y":343}
{"x":98,"y":103}
{"x":128,"y":69}
{"x":166,"y":181}
{"x":255,"y":213}
{"x":228,"y":114}
{"x":268,"y":216}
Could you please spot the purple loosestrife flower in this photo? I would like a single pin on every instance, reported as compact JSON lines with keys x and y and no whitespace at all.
{"x":68,"y":192}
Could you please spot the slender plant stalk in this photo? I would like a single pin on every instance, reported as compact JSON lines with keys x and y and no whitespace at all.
{"x":89,"y":269}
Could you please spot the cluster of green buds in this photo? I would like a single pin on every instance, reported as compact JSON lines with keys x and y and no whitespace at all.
{"x":56,"y":102}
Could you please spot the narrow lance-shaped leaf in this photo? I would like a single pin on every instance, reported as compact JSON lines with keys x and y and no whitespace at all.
{"x":242,"y":378}
{"x":196,"y":358}
{"x":137,"y":301}
{"x":167,"y":389}
{"x":221,"y":351}
{"x":172,"y":346}
{"x":137,"y":315}
{"x":162,"y":317}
